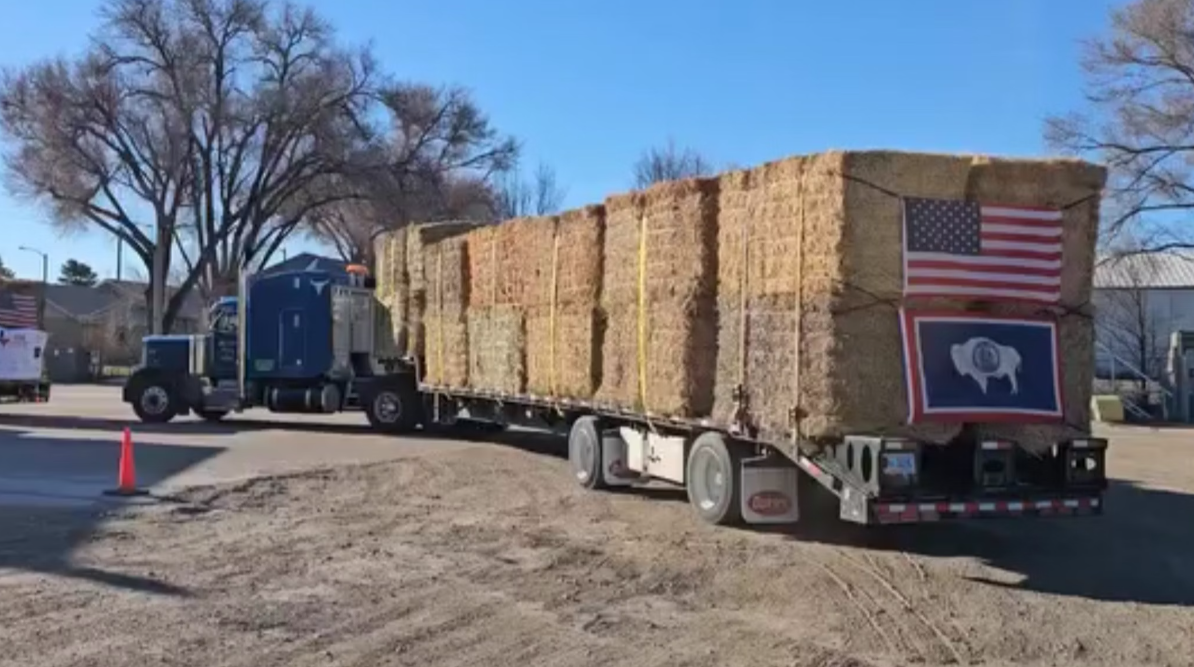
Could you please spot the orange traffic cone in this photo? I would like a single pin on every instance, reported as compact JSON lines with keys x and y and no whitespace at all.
{"x":126,"y":475}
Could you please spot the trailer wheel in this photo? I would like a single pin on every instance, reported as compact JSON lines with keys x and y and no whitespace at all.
{"x":711,"y":479}
{"x":392,"y":405}
{"x":585,"y":455}
{"x":154,"y":401}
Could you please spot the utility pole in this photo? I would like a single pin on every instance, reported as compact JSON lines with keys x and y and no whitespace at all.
{"x":158,"y":284}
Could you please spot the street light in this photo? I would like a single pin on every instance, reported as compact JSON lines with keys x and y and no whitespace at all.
{"x":45,"y":279}
{"x":45,"y":263}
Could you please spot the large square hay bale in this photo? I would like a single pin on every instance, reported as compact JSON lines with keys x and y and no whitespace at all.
{"x":658,"y":280}
{"x":562,"y":323}
{"x":810,"y":280}
{"x":445,"y":269}
{"x":497,"y":349}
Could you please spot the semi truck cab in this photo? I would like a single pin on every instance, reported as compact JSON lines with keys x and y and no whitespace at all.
{"x":293,"y":342}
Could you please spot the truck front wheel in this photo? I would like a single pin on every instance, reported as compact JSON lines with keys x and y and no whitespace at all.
{"x":154,"y":401}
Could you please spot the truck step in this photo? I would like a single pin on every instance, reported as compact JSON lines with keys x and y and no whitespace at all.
{"x":221,"y":398}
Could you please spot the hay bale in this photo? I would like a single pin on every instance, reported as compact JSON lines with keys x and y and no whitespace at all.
{"x":445,"y":271}
{"x":497,"y":349}
{"x":563,"y":339}
{"x":660,"y":337}
{"x":810,"y":277}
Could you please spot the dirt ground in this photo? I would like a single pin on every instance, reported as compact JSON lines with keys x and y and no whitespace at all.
{"x":489,"y":555}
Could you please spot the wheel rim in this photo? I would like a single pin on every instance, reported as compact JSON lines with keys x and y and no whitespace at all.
{"x":155,"y":400}
{"x":387,"y":407}
{"x":708,"y":480}
{"x":583,"y":455}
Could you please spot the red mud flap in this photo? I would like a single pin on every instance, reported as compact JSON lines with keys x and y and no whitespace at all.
{"x":888,"y":513}
{"x":769,"y":491}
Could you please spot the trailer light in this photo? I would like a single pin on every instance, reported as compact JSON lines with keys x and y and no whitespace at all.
{"x":1083,"y":467}
{"x":995,"y":464}
{"x":1083,"y":462}
{"x":898,"y":469}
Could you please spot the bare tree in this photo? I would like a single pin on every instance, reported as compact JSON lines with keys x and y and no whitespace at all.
{"x":216,"y":120}
{"x":515,"y":196}
{"x":668,"y":163}
{"x":1140,"y":121}
{"x":439,"y":159}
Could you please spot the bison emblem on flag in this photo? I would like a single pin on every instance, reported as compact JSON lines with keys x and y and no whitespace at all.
{"x":977,"y":367}
{"x":983,"y":358}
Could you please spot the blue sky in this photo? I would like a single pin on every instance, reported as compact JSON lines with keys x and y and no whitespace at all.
{"x":588,"y":84}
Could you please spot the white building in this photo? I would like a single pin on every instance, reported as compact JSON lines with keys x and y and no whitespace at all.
{"x":1139,"y":301}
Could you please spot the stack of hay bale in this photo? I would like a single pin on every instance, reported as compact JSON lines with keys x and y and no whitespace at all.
{"x":658,"y":298}
{"x":563,"y":331}
{"x":766,"y":296}
{"x":401,"y":265}
{"x":445,"y":315}
{"x":504,"y":263}
{"x":811,"y":277}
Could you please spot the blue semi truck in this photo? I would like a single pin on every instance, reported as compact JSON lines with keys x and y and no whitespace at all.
{"x":308,"y":342}
{"x":294,"y":342}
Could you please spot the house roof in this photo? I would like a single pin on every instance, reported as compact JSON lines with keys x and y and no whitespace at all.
{"x":82,"y":301}
{"x":307,"y":261}
{"x":1167,"y":270}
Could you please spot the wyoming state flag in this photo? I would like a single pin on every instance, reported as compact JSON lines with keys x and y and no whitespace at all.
{"x":977,"y":367}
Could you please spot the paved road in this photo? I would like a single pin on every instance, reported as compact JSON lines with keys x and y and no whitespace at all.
{"x":65,"y":452}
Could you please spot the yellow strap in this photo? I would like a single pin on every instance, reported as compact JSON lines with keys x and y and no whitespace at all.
{"x":642,"y":312}
{"x":493,"y":267}
{"x":555,"y":269}
{"x":743,"y":302}
{"x":799,"y":314}
{"x":439,"y":302}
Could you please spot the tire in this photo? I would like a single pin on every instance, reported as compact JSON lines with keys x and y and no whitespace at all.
{"x":586,"y":459}
{"x":212,"y":416}
{"x":711,"y":480}
{"x":392,"y":405}
{"x":155,"y":401}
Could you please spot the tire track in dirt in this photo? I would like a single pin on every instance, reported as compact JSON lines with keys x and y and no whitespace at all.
{"x":938,"y":644}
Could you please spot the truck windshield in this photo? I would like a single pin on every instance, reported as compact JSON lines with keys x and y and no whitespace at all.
{"x":223,"y":321}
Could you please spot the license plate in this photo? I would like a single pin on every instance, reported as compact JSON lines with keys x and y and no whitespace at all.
{"x":903,"y":465}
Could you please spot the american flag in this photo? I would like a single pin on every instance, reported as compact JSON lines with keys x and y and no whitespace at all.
{"x":17,"y":311}
{"x":966,"y":249}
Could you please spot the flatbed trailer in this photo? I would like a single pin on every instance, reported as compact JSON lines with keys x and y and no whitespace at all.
{"x":300,"y":346}
{"x":732,"y":478}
